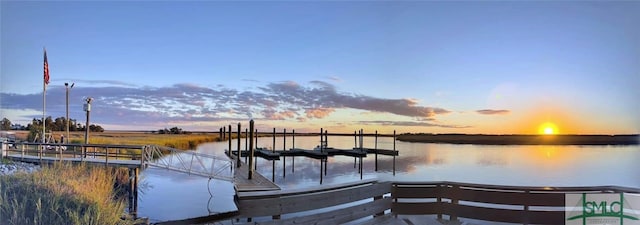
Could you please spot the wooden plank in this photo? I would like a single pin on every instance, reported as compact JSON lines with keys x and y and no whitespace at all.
{"x":430,"y":191}
{"x":422,"y":208}
{"x":482,"y":196}
{"x":305,"y":202}
{"x":326,"y":187}
{"x":508,"y":198}
{"x":384,"y":220}
{"x":340,"y":215}
{"x":480,"y":213}
{"x":504,"y":215}
{"x":257,"y":183}
{"x":523,"y":188}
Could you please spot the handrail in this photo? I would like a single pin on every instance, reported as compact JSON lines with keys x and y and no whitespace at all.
{"x":81,"y":145}
{"x":604,"y":188}
{"x":511,"y":204}
{"x":188,"y":162}
{"x":517,"y":204}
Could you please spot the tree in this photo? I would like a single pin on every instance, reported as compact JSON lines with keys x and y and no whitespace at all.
{"x":5,"y":124}
{"x":95,"y":128}
{"x":175,"y":130}
{"x":60,"y":124}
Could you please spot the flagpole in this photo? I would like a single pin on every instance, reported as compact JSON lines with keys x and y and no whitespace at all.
{"x":44,"y":108}
{"x":44,"y":94}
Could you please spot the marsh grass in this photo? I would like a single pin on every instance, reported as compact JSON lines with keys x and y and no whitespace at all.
{"x":178,"y":141}
{"x":61,"y":193}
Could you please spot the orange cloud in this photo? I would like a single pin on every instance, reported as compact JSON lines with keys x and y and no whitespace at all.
{"x":318,"y":113}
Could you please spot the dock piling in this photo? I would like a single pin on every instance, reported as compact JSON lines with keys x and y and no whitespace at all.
{"x":293,"y":159}
{"x":246,"y":143}
{"x":394,"y":152}
{"x":239,"y":144}
{"x":273,"y":162}
{"x":321,"y":141}
{"x":230,"y":151}
{"x":251,"y":151}
{"x":320,"y":171}
{"x":376,"y":149}
{"x":255,"y":160}
{"x":284,"y":158}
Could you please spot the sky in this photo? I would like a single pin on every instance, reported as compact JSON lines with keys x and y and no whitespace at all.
{"x":494,"y":67}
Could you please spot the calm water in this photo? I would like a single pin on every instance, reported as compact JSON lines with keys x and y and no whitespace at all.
{"x":169,"y":195}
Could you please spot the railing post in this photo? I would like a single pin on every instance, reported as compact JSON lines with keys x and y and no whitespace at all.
{"x":527,"y":216}
{"x":454,"y":201}
{"x":106,"y":155}
{"x":376,"y":198}
{"x":440,"y":191}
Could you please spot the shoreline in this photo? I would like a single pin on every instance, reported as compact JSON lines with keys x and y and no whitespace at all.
{"x":517,"y":139}
{"x":12,"y":167}
{"x":190,"y":141}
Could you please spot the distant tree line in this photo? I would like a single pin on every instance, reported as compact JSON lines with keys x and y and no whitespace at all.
{"x":173,"y":130}
{"x":59,"y":124}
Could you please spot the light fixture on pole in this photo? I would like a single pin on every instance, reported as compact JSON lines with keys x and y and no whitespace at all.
{"x":66,"y":85}
{"x":87,"y":108}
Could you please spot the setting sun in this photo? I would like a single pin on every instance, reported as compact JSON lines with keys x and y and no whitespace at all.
{"x":548,"y":128}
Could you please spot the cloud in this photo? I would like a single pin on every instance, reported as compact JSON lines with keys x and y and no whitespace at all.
{"x":409,"y":124}
{"x":333,"y":78}
{"x":493,"y":112}
{"x":318,"y":113}
{"x":325,"y":95}
{"x":122,"y":104}
{"x":99,"y":82}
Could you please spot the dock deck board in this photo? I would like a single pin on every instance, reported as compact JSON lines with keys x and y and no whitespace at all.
{"x":257,"y":183}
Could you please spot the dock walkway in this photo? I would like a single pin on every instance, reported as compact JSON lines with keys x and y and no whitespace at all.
{"x":102,"y":161}
{"x":258,"y":182}
{"x":317,"y":154}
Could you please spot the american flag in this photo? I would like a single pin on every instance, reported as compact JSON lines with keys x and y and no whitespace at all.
{"x":46,"y":68}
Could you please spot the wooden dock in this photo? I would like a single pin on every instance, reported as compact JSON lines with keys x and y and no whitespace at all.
{"x":318,"y":154}
{"x":258,"y":182}
{"x":102,"y":161}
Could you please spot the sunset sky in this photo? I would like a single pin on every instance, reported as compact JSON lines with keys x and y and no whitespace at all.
{"x":434,"y":67}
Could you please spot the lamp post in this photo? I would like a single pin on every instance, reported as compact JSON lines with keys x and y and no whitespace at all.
{"x":87,"y":108}
{"x":66,"y":85}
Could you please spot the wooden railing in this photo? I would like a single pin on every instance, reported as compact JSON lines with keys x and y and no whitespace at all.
{"x":511,"y":204}
{"x":358,"y":200}
{"x":442,"y":200}
{"x":77,"y":152}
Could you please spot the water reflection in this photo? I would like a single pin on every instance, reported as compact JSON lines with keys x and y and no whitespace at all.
{"x":175,"y":195}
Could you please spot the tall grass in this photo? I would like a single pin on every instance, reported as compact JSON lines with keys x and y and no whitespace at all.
{"x":179,"y":141}
{"x":61,"y":194}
